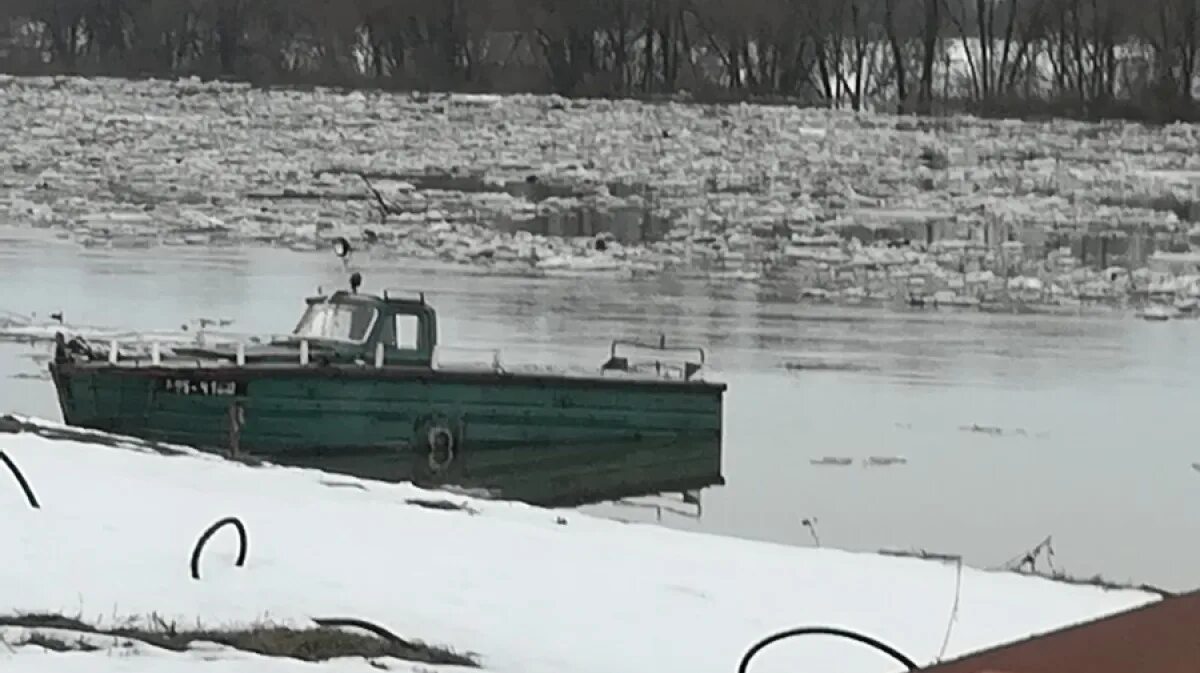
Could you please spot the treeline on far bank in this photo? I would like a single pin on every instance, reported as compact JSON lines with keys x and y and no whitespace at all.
{"x":1072,"y":58}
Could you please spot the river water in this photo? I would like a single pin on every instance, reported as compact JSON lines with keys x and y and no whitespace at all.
{"x":1092,"y":420}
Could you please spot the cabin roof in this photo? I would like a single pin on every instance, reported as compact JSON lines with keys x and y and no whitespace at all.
{"x":345,"y":297}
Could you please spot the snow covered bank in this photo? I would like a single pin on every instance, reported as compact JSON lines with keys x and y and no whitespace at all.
{"x":528,"y":590}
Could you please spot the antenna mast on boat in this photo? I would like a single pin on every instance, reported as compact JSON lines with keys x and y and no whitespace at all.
{"x":342,"y":248}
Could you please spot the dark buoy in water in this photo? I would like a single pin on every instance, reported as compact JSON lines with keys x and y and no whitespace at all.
{"x":341,"y":247}
{"x":355,"y":282}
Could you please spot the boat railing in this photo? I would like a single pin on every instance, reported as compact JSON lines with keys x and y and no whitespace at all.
{"x":136,"y":347}
{"x":626,"y":355}
{"x":489,"y":359}
{"x":139,"y":351}
{"x":399,"y":294}
{"x":631,"y":355}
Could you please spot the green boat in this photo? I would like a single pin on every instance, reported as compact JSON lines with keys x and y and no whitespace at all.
{"x":358,"y":388}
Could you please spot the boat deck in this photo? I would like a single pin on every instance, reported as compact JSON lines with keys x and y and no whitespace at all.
{"x":224,"y":370}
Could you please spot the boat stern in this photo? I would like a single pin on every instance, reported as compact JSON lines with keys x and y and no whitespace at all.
{"x":61,"y":373}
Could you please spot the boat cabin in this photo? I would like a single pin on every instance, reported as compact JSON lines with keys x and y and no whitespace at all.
{"x":385,"y":330}
{"x":403,"y":330}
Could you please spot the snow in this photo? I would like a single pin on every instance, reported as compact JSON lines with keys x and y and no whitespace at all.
{"x":528,"y":590}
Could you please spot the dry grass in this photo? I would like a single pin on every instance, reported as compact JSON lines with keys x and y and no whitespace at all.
{"x":442,"y":505}
{"x":1053,"y":574}
{"x":309,"y":644}
{"x":1098,"y":581}
{"x":57,"y":644}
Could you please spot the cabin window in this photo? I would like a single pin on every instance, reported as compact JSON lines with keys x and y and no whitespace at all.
{"x":336,"y":322}
{"x":408,"y":332}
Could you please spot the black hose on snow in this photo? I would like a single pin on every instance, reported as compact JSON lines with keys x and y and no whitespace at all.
{"x":12,"y":467}
{"x":825,"y":631}
{"x":333,"y":622}
{"x":204,"y":537}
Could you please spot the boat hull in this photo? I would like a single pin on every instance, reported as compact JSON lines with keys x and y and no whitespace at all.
{"x":543,"y":439}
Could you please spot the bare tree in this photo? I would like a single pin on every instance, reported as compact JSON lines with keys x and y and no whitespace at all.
{"x":1085,"y":57}
{"x":1172,"y":30}
{"x":999,"y":41}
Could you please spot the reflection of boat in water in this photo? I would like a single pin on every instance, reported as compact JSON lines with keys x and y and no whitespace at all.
{"x":559,"y":476}
{"x":359,"y":388}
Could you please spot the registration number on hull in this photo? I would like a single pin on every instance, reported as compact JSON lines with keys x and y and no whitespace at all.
{"x":204,"y":388}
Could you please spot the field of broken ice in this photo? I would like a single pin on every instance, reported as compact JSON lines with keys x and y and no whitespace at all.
{"x":518,"y":588}
{"x":736,"y":190}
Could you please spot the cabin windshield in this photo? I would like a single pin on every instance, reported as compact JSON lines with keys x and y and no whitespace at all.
{"x":336,"y":322}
